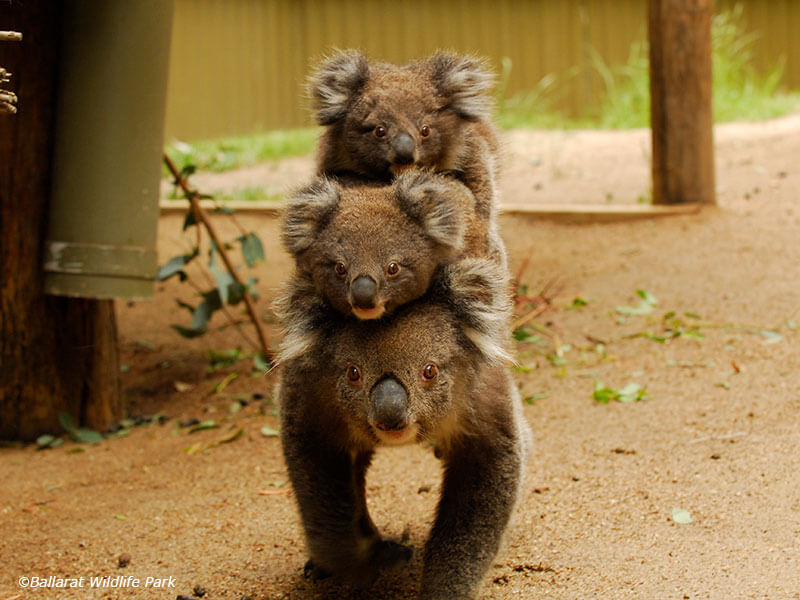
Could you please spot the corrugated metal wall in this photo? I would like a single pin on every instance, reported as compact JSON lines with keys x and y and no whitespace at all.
{"x":239,"y":66}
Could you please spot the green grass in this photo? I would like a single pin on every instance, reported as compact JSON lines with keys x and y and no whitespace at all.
{"x":740,"y":92}
{"x":224,"y":154}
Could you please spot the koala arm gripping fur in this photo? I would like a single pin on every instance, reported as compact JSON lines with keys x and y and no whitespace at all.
{"x":329,"y":481}
{"x":482,"y":482}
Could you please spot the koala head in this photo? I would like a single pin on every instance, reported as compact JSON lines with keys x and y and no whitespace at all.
{"x":369,"y":249}
{"x":409,"y":378}
{"x":385,"y":118}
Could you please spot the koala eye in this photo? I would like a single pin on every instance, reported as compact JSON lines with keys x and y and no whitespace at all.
{"x":354,"y":375}
{"x":392,"y":269}
{"x":425,"y":131}
{"x":430,"y":372}
{"x":380,"y":131}
{"x":340,"y":269}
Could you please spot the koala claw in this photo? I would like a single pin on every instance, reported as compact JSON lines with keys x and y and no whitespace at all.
{"x":313,"y":572}
{"x":388,"y":555}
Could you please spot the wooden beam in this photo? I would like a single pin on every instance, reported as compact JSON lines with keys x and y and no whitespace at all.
{"x":680,"y":97}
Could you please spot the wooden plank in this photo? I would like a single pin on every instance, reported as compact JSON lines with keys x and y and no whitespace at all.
{"x":680,"y":96}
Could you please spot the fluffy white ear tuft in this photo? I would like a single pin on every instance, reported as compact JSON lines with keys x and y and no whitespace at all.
{"x":335,"y":83}
{"x":307,"y":211}
{"x":466,"y":82}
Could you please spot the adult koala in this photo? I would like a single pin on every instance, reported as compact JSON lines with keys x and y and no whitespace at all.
{"x":432,"y":371}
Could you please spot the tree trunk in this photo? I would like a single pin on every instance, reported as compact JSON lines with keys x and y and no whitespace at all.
{"x":680,"y":96}
{"x":56,"y":354}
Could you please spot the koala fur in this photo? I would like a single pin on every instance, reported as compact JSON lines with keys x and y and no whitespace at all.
{"x":371,"y":248}
{"x":381,"y":119}
{"x":432,"y":371}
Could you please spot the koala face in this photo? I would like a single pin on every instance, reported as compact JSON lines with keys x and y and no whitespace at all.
{"x":396,"y":382}
{"x":386,"y":118}
{"x":370,"y":249}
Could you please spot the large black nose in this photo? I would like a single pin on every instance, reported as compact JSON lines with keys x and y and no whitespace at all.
{"x":389,"y":405}
{"x":363,"y":289}
{"x":403,"y":149}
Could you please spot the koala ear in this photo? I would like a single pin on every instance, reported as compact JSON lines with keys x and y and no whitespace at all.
{"x":478,"y":291}
{"x":433,"y":201}
{"x":335,"y":82}
{"x":465,"y":81}
{"x":307,"y":212}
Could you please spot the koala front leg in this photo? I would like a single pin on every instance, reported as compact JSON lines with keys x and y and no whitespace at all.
{"x":329,"y":484}
{"x":480,"y":488}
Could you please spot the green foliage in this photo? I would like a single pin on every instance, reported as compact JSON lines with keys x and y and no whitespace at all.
{"x":228,"y":153}
{"x":633,"y":392}
{"x":78,"y":434}
{"x":227,"y":291}
{"x":740,"y":91}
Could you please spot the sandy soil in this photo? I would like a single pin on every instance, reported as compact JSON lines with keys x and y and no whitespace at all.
{"x":718,"y":435}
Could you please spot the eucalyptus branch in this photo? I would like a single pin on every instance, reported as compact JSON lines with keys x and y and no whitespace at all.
{"x":202,"y":218}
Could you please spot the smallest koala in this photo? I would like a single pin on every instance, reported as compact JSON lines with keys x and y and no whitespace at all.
{"x":381,"y":119}
{"x":369,"y":248}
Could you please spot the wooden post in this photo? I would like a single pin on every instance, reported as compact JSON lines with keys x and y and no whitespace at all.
{"x":56,"y":354}
{"x":680,"y":97}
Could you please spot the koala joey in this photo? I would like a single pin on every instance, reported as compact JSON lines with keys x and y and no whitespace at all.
{"x":381,"y":119}
{"x":433,"y":371}
{"x":371,"y":248}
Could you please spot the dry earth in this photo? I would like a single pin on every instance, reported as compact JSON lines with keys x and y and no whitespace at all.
{"x":717,"y":436}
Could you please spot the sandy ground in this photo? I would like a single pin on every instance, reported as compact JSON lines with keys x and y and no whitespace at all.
{"x":718,"y":434}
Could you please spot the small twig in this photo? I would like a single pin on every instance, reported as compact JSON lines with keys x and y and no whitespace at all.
{"x":709,"y":438}
{"x":531,"y":315}
{"x":201,"y":217}
{"x":10,"y":36}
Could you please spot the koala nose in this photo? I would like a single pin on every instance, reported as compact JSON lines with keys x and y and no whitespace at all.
{"x":363,"y":289}
{"x":403,"y":149}
{"x":389,"y":405}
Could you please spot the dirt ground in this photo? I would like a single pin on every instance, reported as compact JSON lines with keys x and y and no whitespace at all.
{"x":718,"y":434}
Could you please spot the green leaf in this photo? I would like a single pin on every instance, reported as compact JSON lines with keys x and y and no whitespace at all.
{"x":771,"y":337}
{"x":647,"y":297}
{"x":534,"y":397}
{"x":204,"y":425}
{"x":260,"y":363}
{"x":45,"y":441}
{"x":175,"y":266}
{"x":86,"y":436}
{"x":681,"y":516}
{"x":190,"y":221}
{"x":187,"y":332}
{"x":269,"y":432}
{"x":66,"y":422}
{"x":577,"y":303}
{"x":223,"y":278}
{"x":645,"y":307}
{"x":252,"y":249}
{"x":522,"y":334}
{"x":603,"y":394}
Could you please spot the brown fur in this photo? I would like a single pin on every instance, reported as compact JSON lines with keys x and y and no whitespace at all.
{"x":446,"y":93}
{"x":330,"y":427}
{"x":419,"y":223}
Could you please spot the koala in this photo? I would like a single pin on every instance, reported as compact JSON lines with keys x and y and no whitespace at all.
{"x":371,"y":248}
{"x":381,"y":119}
{"x":432,"y":371}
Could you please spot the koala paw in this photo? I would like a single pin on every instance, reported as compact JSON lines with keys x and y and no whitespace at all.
{"x":387,"y":554}
{"x":314,"y":573}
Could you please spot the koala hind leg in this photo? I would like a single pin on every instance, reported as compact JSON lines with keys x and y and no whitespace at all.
{"x":481,"y":483}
